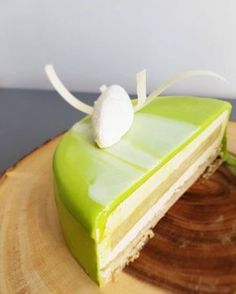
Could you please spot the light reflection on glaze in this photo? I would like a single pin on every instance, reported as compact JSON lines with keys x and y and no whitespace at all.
{"x":141,"y":149}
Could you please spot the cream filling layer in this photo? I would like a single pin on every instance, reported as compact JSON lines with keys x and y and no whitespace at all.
{"x":105,"y":253}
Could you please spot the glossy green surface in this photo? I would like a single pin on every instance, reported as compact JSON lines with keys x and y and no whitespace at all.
{"x":81,"y":245}
{"x":93,"y":181}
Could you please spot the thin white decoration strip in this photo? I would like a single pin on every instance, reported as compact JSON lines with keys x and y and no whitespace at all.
{"x":64,"y":93}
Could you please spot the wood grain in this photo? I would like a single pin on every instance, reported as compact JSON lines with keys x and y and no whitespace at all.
{"x":193,"y":251}
{"x":194,"y":248}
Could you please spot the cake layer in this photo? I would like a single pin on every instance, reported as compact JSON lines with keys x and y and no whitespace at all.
{"x":151,"y":196}
{"x":92,"y":182}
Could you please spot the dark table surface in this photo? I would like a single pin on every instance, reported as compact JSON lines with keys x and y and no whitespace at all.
{"x":30,"y":117}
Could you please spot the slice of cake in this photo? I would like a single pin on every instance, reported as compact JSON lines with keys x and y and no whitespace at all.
{"x":109,"y":199}
{"x":119,"y":169}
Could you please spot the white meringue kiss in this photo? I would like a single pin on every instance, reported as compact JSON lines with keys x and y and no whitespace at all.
{"x":112,"y":116}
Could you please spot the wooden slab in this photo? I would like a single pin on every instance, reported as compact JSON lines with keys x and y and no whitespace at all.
{"x":193,"y":251}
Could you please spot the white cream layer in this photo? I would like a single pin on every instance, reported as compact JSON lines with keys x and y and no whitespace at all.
{"x":127,"y":207}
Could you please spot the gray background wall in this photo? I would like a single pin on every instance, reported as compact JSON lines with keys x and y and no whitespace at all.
{"x":94,"y":42}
